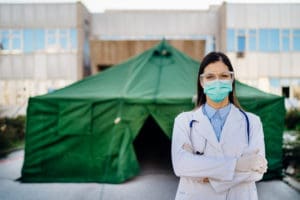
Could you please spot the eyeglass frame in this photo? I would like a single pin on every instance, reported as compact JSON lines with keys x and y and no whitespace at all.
{"x":217,"y":76}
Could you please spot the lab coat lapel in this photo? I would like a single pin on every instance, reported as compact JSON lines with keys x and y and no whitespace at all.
{"x":232,"y":124}
{"x":204,"y":127}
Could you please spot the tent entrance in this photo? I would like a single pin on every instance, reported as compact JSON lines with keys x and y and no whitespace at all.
{"x":153,"y":148}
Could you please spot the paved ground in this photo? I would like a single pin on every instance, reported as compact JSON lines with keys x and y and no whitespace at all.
{"x":152,"y":184}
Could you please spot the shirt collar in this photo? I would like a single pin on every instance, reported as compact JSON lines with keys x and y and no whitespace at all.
{"x":210,"y":111}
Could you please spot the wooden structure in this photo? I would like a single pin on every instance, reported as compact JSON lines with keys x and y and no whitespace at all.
{"x":105,"y":53}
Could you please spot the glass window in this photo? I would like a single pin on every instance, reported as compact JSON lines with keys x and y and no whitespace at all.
{"x":16,"y":40}
{"x":252,"y":40}
{"x":28,"y":40}
{"x":39,"y":39}
{"x":274,"y":82}
{"x":241,"y":43}
{"x":296,"y":40}
{"x":73,"y":38}
{"x":241,"y":40}
{"x":230,"y":40}
{"x":63,"y":39}
{"x":51,"y":38}
{"x":5,"y":39}
{"x":263,"y":40}
{"x":269,"y":40}
{"x":34,"y":39}
{"x":11,"y":39}
{"x":285,"y":39}
{"x":273,"y":40}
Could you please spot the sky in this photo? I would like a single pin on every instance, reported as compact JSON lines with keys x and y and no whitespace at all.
{"x":102,"y":5}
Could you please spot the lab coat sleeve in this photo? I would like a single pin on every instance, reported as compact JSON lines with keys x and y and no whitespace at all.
{"x":256,"y":142}
{"x":186,"y":164}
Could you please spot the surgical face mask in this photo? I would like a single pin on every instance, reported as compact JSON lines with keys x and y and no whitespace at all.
{"x":218,"y":90}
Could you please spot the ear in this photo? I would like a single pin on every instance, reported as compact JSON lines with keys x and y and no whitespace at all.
{"x":201,"y":83}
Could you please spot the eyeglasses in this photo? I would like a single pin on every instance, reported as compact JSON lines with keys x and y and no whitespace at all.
{"x":212,"y":76}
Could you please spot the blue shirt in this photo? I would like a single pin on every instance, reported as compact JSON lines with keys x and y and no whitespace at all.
{"x":217,"y":117}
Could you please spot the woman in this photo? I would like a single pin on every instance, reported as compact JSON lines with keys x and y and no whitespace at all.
{"x":217,"y":149}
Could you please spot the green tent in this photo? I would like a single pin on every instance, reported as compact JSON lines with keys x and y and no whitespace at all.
{"x":85,"y":132}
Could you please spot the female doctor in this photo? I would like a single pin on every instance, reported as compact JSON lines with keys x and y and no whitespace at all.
{"x":217,"y":149}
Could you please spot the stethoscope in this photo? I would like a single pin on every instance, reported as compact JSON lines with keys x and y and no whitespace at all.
{"x":205,"y":142}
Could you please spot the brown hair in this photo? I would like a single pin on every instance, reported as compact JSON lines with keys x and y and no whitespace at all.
{"x":212,"y":58}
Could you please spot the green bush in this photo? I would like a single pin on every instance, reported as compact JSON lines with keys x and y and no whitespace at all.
{"x":12,"y":132}
{"x":292,"y":119}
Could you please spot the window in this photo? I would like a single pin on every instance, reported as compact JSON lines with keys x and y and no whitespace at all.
{"x":28,"y":40}
{"x":285,"y":35}
{"x":230,"y":40}
{"x":11,"y":39}
{"x":285,"y":40}
{"x":34,"y":39}
{"x":274,"y":40}
{"x":263,"y":40}
{"x":252,"y":40}
{"x":61,"y":39}
{"x":241,"y":41}
{"x":4,"y":39}
{"x":269,"y":40}
{"x":296,"y":40}
{"x":39,"y":39}
{"x":16,"y":40}
{"x":51,"y":41}
{"x":73,"y":39}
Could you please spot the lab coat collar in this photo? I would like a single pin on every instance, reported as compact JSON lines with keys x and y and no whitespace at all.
{"x":232,"y":122}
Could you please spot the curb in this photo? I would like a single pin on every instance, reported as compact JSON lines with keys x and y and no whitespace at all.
{"x":3,"y":154}
{"x":292,"y":182}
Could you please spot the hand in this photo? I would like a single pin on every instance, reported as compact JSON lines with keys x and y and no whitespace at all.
{"x":187,"y":147}
{"x":252,"y":162}
{"x":205,"y":180}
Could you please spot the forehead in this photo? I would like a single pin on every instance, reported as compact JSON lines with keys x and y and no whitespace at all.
{"x":216,"y":67}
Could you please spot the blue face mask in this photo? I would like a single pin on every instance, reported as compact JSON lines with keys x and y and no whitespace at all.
{"x":218,"y":90}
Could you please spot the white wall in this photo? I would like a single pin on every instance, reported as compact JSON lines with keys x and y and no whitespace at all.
{"x":39,"y":66}
{"x":14,"y":94}
{"x":154,"y":23}
{"x":38,"y":15}
{"x":263,"y":15}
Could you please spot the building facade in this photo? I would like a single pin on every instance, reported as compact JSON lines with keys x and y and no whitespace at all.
{"x":48,"y":46}
{"x":263,"y":42}
{"x":43,"y":47}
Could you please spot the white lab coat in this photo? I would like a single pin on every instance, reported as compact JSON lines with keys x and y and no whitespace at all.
{"x":219,"y":159}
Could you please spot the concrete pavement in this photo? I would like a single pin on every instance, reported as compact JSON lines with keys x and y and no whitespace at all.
{"x":151,"y":184}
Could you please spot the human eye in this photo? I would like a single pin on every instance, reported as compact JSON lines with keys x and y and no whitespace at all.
{"x":210,"y":77}
{"x":225,"y":76}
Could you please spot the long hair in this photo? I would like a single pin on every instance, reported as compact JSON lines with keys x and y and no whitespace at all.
{"x":212,"y":58}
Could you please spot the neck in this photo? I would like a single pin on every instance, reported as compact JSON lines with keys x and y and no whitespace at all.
{"x":217,"y":105}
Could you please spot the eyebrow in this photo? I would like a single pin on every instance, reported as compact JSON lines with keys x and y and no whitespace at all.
{"x":214,"y":72}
